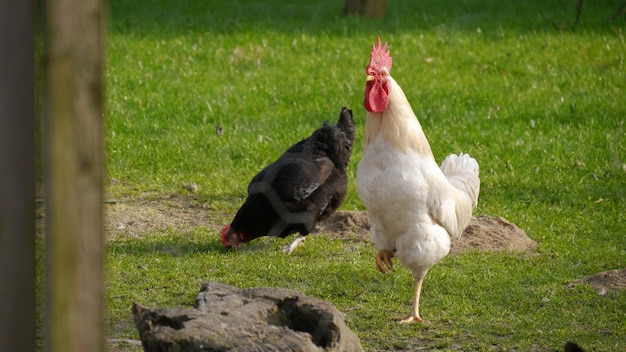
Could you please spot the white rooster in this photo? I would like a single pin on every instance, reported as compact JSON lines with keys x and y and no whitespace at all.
{"x":414,"y":206}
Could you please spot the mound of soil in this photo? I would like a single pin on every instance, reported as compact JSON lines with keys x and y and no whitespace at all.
{"x":488,"y":233}
{"x":484,"y":233}
{"x":613,"y":280}
{"x":346,"y":224}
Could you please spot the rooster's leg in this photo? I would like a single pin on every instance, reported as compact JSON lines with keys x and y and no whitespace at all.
{"x":415,"y":315}
{"x":384,"y":257}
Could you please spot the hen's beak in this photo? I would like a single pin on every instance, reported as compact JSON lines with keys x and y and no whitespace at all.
{"x":369,"y":78}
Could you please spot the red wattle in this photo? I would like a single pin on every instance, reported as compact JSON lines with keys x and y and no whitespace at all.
{"x":375,"y":97}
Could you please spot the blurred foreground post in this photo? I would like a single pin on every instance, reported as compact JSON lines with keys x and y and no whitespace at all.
{"x":365,"y":8}
{"x":17,"y":176}
{"x":74,"y":175}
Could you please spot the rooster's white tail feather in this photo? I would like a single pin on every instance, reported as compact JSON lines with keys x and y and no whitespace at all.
{"x":462,"y":172}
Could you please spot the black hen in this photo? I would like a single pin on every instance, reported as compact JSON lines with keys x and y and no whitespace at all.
{"x":573,"y":347}
{"x":304,"y":186}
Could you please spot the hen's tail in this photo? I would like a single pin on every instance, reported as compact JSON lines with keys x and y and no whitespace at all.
{"x":346,"y":124}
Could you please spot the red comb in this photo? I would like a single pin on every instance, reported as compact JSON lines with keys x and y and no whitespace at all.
{"x":223,"y":234}
{"x":380,"y":55}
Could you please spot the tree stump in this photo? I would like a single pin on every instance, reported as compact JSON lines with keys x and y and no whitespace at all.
{"x":225,"y":318}
{"x":365,"y":8}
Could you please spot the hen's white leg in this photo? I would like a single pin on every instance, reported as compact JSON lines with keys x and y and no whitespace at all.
{"x":294,"y":244}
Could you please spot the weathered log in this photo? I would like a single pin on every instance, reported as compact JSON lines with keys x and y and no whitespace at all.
{"x":226,"y":318}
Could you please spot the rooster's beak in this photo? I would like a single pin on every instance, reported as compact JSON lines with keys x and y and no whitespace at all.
{"x":369,"y":78}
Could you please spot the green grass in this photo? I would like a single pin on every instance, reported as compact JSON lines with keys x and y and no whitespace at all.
{"x":541,"y":109}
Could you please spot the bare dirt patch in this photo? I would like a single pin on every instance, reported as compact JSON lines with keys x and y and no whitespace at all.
{"x":136,"y":217}
{"x":485,"y":233}
{"x":132,"y":218}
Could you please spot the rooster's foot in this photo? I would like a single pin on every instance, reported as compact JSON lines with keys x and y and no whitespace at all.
{"x":411,"y":319}
{"x":384,"y":257}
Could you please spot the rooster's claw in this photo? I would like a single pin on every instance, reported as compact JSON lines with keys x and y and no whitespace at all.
{"x":384,"y":257}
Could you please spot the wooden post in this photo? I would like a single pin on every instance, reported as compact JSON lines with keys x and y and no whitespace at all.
{"x":17,"y":176}
{"x":74,"y":174}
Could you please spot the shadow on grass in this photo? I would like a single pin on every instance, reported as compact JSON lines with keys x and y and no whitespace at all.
{"x":179,"y":245}
{"x":172,"y":18}
{"x":175,"y":246}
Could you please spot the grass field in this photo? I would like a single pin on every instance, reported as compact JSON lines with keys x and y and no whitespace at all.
{"x":540,"y":105}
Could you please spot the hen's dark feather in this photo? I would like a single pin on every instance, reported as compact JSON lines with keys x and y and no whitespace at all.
{"x":303,"y":186}
{"x":292,"y":178}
